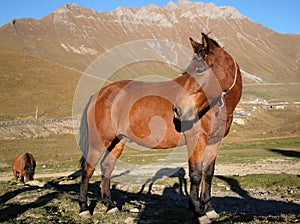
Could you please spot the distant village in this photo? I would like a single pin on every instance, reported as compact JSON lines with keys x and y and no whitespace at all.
{"x":251,"y":105}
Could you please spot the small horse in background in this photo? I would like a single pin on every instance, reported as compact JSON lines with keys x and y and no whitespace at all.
{"x":24,"y":166}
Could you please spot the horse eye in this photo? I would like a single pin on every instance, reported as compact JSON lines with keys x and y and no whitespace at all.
{"x":199,"y":71}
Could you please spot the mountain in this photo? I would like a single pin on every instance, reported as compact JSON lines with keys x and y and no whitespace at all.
{"x":74,"y":36}
{"x":29,"y":84}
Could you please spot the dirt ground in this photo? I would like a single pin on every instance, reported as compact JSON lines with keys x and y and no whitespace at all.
{"x":165,"y":202}
{"x":268,"y":166}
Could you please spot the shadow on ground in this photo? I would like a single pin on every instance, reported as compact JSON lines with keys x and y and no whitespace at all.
{"x":170,"y":206}
{"x":287,"y":153}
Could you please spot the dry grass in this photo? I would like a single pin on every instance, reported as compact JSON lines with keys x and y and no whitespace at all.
{"x":267,"y":124}
{"x":249,"y":199}
{"x":28,"y":82}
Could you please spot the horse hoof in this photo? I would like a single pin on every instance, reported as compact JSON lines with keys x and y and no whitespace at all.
{"x":85,"y":214}
{"x":212,"y":214}
{"x":112,"y":211}
{"x":204,"y":220}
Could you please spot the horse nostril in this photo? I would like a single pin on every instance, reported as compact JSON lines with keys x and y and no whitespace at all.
{"x":178,"y":111}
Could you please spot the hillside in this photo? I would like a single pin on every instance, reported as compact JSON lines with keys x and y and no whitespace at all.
{"x":28,"y":82}
{"x":74,"y":36}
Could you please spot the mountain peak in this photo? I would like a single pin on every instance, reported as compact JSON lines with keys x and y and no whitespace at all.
{"x":210,"y":10}
{"x":65,"y":7}
{"x":74,"y":35}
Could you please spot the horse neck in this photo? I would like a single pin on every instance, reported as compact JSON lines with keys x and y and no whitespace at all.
{"x":222,"y":62}
{"x":186,"y":81}
{"x":234,"y":95}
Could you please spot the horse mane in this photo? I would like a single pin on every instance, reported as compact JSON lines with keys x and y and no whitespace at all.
{"x":29,"y":170}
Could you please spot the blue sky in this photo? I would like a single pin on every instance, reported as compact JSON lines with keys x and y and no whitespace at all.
{"x":281,"y":16}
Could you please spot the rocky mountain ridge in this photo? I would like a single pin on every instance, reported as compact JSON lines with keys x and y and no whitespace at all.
{"x":74,"y":35}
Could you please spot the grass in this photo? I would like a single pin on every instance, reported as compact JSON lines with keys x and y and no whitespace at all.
{"x":253,"y":151}
{"x":58,"y":153}
{"x":266,"y":124}
{"x":57,"y":202}
{"x":287,"y":184}
{"x":27,"y":82}
{"x":268,"y":181}
{"x":270,"y":92}
{"x":292,"y":142}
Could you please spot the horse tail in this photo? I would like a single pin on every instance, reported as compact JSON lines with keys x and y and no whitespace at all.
{"x":84,"y":135}
{"x":29,"y":166}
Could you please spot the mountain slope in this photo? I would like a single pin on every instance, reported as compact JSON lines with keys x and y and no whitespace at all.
{"x":28,"y":82}
{"x":75,"y":36}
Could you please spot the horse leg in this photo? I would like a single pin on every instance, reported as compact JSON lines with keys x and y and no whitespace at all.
{"x":88,"y":166}
{"x":22,"y":175}
{"x":210,"y":155}
{"x":21,"y":168}
{"x":16,"y":174}
{"x":107,"y":165}
{"x":195,"y":179}
{"x":197,"y":162}
{"x":195,"y":174}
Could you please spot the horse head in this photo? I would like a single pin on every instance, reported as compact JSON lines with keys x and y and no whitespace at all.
{"x":212,"y":72}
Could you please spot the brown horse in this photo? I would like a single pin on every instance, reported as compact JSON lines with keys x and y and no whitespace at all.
{"x":194,"y":109}
{"x":24,"y":166}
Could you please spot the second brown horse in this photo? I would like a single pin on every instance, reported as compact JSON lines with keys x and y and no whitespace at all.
{"x":24,"y":166}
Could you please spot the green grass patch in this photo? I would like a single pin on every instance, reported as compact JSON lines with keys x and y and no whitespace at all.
{"x":291,"y":142}
{"x":57,"y":153}
{"x":260,"y":180}
{"x":280,"y":185}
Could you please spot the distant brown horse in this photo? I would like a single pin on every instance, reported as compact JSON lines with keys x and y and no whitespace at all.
{"x":24,"y":166}
{"x":194,"y":109}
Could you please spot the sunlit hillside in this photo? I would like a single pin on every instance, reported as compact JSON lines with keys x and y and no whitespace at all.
{"x":28,"y":84}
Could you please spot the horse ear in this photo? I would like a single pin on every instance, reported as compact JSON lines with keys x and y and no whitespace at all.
{"x":194,"y":44}
{"x":207,"y":42}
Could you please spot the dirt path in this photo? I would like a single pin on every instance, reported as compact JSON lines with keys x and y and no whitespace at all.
{"x":263,"y":167}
